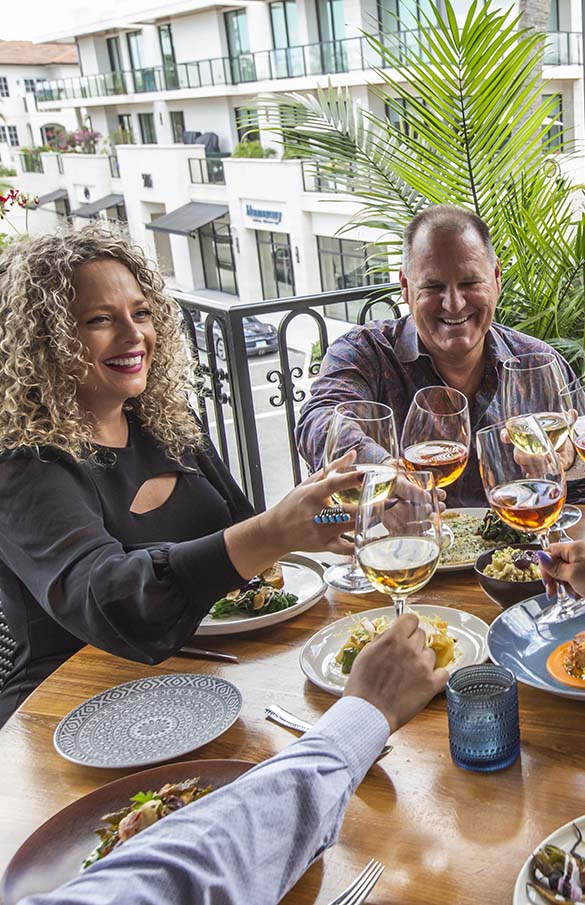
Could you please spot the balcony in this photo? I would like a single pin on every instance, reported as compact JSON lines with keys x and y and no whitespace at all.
{"x":564,"y":48}
{"x":229,"y":406}
{"x":208,"y":170}
{"x":320,"y":177}
{"x":323,"y":58}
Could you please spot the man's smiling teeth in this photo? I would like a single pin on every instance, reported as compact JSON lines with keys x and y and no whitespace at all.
{"x":125,"y":362}
{"x":461,"y":320}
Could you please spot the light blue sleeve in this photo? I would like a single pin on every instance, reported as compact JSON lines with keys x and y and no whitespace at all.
{"x":248,"y":842}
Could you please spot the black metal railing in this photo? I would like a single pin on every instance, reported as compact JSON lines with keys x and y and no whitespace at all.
{"x":228,"y":384}
{"x":320,"y":58}
{"x":31,"y":162}
{"x":206,"y":169}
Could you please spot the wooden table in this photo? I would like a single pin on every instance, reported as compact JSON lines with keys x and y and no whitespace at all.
{"x":445,"y":835}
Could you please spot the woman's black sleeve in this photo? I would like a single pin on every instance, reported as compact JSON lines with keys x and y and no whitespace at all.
{"x":139,"y":603}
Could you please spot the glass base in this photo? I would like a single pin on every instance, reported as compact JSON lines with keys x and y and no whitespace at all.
{"x":487,"y":766}
{"x":348,"y":578}
{"x":561,"y":611}
{"x":570,"y":515}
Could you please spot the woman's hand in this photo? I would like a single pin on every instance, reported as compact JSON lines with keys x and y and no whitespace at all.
{"x":564,"y":563}
{"x":255,"y":544}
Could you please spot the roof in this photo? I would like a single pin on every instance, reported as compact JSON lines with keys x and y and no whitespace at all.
{"x":102,"y":204}
{"x":57,"y":195}
{"x":187,"y":219}
{"x":25,"y":53}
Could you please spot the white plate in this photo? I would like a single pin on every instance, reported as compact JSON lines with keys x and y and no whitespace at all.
{"x":317,"y":657}
{"x":476,"y":512}
{"x":563,"y":837}
{"x":302,"y":575}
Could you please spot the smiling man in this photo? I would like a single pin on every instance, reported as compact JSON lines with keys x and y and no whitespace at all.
{"x":450,"y":280}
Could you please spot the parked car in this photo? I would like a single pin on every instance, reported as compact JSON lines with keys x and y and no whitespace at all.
{"x":261,"y":338}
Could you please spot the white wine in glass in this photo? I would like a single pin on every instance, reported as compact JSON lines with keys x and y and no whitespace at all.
{"x":398,"y":537}
{"x":436,"y":433}
{"x":366,"y":429}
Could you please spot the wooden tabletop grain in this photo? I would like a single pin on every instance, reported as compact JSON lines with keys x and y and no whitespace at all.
{"x":445,"y":835}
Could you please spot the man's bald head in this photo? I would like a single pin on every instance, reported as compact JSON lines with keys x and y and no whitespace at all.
{"x":445,"y":218}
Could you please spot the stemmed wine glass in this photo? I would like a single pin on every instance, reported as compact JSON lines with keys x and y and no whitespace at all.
{"x":533,"y":384}
{"x":398,"y":535}
{"x":525,"y":486}
{"x":573,"y":403}
{"x":368,"y":429}
{"x":436,"y":437}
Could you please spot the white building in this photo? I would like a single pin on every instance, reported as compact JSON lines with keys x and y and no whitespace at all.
{"x":255,"y":228}
{"x":22,"y":66}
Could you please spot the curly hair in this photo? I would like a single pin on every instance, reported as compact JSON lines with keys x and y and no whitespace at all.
{"x":43,"y":361}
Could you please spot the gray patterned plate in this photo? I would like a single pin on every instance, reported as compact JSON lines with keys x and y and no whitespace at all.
{"x":148,"y":721}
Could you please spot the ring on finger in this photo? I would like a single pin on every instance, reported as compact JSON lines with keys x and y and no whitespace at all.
{"x":331,"y":515}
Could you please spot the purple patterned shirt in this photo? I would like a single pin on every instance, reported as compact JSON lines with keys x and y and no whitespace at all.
{"x":385,"y":361}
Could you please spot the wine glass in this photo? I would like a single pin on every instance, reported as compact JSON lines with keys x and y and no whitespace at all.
{"x":533,"y":384}
{"x":398,"y":534}
{"x":525,"y":486}
{"x":436,"y":437}
{"x":368,"y":429}
{"x":573,"y":403}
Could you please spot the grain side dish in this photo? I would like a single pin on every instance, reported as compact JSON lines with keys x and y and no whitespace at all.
{"x":513,"y":565}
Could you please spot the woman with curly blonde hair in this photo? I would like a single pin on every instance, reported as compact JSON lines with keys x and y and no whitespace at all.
{"x":119,"y":524}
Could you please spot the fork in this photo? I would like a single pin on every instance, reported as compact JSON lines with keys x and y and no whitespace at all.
{"x":358,"y":891}
{"x":284,"y":718}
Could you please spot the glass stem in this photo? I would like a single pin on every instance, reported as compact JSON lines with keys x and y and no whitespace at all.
{"x":562,"y":596}
{"x":399,"y":606}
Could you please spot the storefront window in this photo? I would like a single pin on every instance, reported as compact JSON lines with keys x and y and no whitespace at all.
{"x":218,"y":257}
{"x":346,"y":264}
{"x":276,"y":270}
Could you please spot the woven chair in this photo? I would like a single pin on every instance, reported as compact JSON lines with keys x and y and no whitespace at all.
{"x":7,"y":646}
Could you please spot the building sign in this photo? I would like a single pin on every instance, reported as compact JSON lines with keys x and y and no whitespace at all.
{"x":263,"y":215}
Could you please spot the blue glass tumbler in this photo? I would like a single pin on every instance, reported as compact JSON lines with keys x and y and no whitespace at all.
{"x":482,"y":706}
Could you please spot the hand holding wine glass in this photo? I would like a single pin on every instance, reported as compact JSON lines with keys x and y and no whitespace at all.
{"x":367,"y":430}
{"x":524,"y":484}
{"x":399,"y":556}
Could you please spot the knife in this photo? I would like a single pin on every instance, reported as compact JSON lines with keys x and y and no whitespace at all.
{"x":209,"y":654}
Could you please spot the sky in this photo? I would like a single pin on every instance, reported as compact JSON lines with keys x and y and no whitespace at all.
{"x":28,"y":20}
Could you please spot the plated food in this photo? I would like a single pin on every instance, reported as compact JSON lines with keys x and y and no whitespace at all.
{"x":536,"y":656}
{"x":145,"y":809}
{"x":261,"y":595}
{"x":318,"y":658}
{"x":299,"y":577}
{"x":555,"y":872}
{"x":52,"y":855}
{"x":475,"y":530}
{"x":365,"y":630}
{"x":566,"y":663}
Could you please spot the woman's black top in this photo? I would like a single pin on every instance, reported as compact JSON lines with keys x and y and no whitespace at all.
{"x":77,"y":567}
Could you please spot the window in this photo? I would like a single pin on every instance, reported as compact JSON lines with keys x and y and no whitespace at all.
{"x":30,"y":86}
{"x":134,"y":41}
{"x":554,"y":136}
{"x":178,"y":125}
{"x":3,"y":137}
{"x":331,"y":23}
{"x":553,"y":16}
{"x":165,"y":37}
{"x":344,"y":264}
{"x":287,"y":58}
{"x":114,"y":55}
{"x":241,"y":60}
{"x":13,"y":136}
{"x":4,"y":86}
{"x":404,"y":18}
{"x":397,"y":119}
{"x":147,"y":130}
{"x":218,"y":256}
{"x":276,"y":270}
{"x":247,"y":124}
{"x":125,"y":128}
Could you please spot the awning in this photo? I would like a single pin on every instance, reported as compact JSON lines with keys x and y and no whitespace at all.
{"x":90,"y":210}
{"x":57,"y":195}
{"x":188,"y":218}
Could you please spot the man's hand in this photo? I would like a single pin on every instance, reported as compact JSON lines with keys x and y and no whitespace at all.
{"x":396,"y":672}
